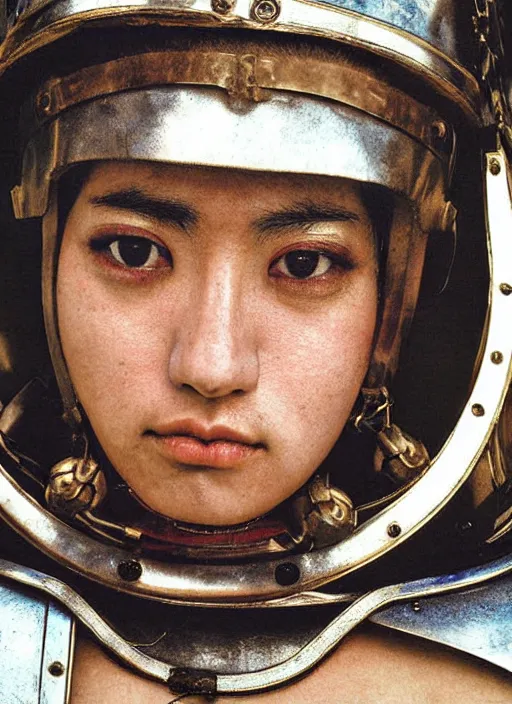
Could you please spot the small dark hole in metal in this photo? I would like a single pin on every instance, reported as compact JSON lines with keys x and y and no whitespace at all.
{"x":129,"y":570}
{"x":287,"y":573}
{"x":478,"y":410}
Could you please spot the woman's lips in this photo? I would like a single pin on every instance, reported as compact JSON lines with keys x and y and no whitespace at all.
{"x":218,"y":447}
{"x":221,"y":454}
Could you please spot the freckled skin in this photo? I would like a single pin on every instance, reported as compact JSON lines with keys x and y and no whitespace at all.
{"x":221,"y":336}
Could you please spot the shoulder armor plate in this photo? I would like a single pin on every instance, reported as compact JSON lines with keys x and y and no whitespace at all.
{"x":476,"y":621}
{"x":36,"y":647}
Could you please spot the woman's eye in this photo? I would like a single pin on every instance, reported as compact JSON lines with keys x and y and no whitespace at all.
{"x":304,"y":264}
{"x":134,"y":252}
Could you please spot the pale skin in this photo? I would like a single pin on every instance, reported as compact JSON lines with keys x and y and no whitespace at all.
{"x":215,"y":327}
{"x":214,"y":331}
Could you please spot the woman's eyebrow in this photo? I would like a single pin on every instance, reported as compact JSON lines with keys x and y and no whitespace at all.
{"x":302,"y":214}
{"x":168,"y":211}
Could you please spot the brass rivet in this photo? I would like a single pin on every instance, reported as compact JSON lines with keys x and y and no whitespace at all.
{"x":506,"y":289}
{"x":477,"y":409}
{"x":265,"y":10}
{"x":222,"y":7}
{"x":416,"y":606}
{"x":496,"y":357}
{"x":494,"y":167}
{"x":394,"y":530}
{"x":56,"y":669}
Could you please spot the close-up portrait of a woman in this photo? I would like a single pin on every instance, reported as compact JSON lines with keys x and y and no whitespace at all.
{"x":255,"y":351}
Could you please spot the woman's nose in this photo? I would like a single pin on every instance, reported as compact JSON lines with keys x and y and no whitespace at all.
{"x":214,"y":351}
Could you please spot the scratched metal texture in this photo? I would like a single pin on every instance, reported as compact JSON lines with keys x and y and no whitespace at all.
{"x":476,"y":621}
{"x":35,"y":633}
{"x":431,"y":20}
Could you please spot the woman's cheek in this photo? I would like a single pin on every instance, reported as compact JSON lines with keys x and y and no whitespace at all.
{"x":98,"y":345}
{"x":323,"y":365}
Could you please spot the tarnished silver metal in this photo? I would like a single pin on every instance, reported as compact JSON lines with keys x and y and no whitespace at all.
{"x":353,"y":615}
{"x":247,"y":78}
{"x":448,"y":471}
{"x":36,"y":646}
{"x":476,"y":621}
{"x":160,"y":124}
{"x":311,"y":653}
{"x":421,"y":36}
{"x":81,"y":610}
{"x":497,"y":469}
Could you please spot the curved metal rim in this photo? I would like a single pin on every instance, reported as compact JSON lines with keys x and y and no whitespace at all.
{"x":277,"y":675}
{"x":54,"y":20}
{"x":209,"y":584}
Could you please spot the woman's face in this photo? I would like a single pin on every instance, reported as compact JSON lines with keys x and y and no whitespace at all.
{"x":217,"y":326}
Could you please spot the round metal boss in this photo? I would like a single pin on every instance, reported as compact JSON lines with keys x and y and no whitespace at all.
{"x":265,"y":10}
{"x":222,"y":7}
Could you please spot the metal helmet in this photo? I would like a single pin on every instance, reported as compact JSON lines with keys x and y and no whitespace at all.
{"x":390,"y":94}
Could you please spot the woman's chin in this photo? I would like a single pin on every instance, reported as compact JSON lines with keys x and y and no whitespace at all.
{"x":215,"y":511}
{"x":211,"y":497}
